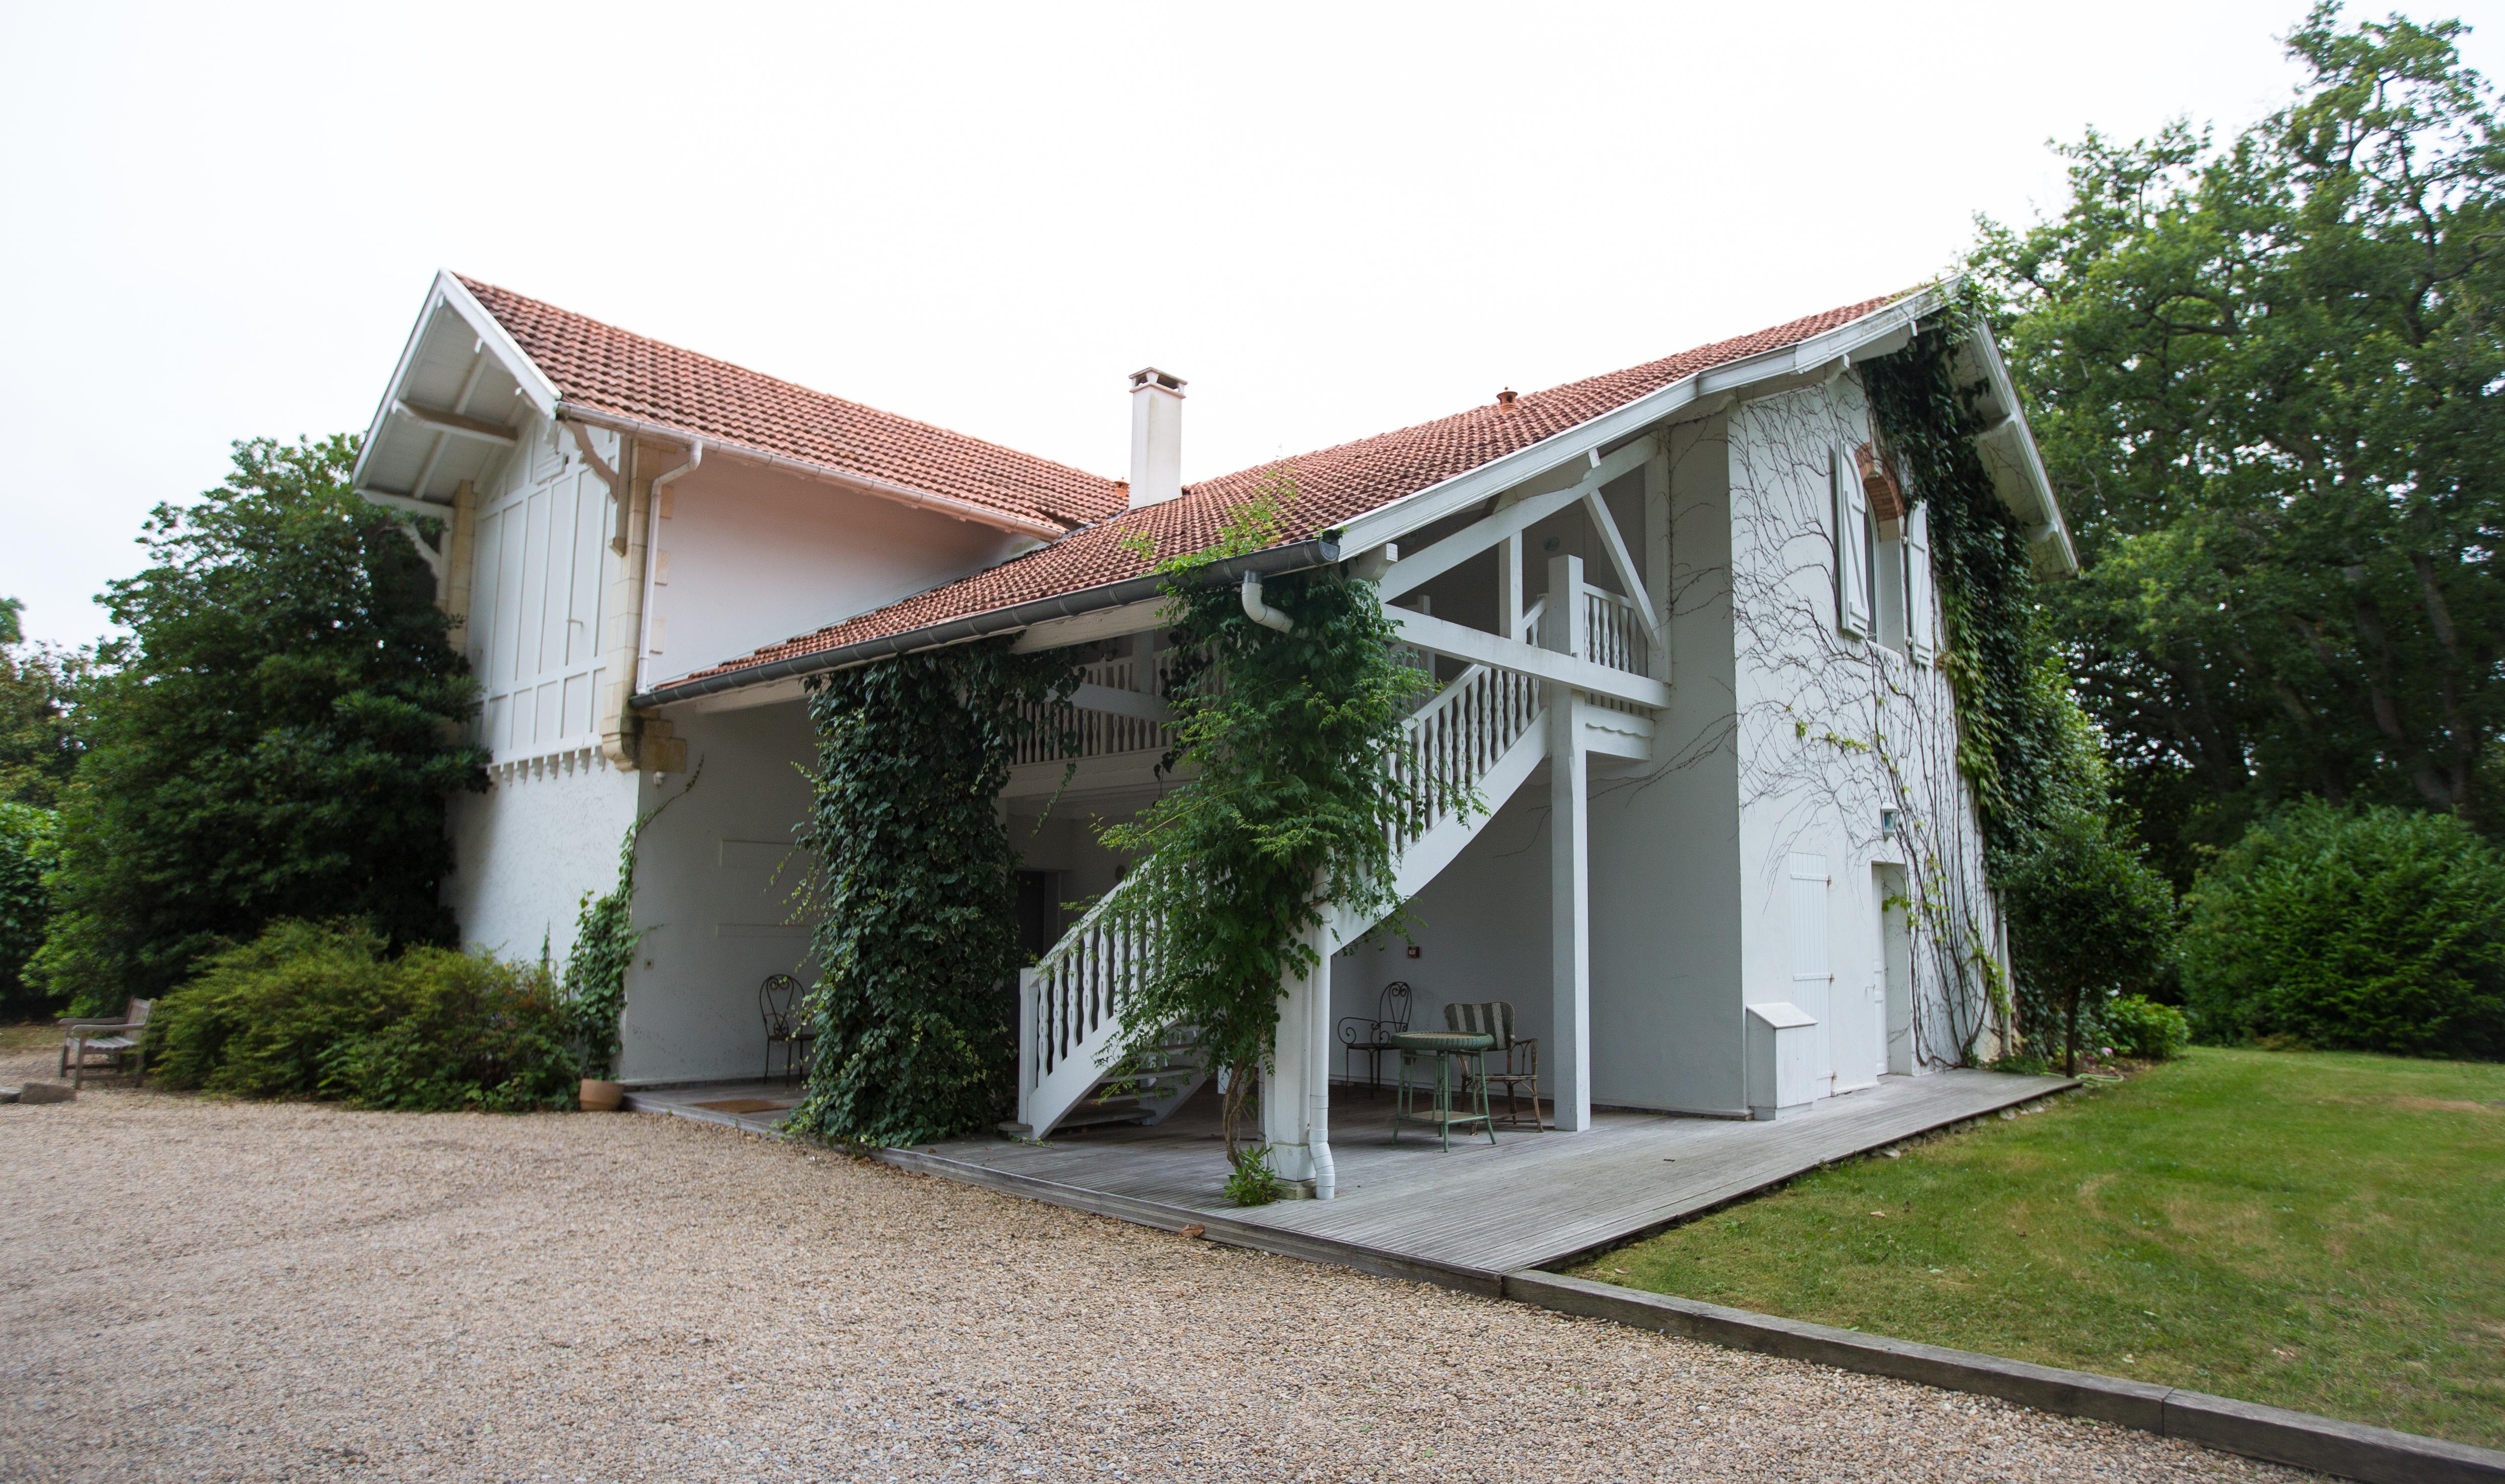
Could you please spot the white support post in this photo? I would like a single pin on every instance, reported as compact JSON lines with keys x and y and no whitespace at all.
{"x":1508,"y":587}
{"x":1295,"y":1098}
{"x":1657,"y":552}
{"x":1569,"y":888}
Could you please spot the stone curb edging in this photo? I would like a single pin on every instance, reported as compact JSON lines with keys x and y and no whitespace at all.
{"x":2326,"y":1445}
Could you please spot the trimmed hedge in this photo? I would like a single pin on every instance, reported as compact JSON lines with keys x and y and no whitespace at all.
{"x":2378,"y":930}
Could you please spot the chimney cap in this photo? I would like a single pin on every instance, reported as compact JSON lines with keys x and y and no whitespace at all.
{"x":1148,"y":376}
{"x":1505,"y":399}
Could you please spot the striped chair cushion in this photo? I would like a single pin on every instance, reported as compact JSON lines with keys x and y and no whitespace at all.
{"x":1491,"y":1017}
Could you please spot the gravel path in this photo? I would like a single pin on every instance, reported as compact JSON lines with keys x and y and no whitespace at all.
{"x":197,"y":1290}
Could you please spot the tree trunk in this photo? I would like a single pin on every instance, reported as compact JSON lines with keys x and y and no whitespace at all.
{"x":1240,"y":1081}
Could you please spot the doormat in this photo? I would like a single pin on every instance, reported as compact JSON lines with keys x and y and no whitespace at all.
{"x":747,"y":1105}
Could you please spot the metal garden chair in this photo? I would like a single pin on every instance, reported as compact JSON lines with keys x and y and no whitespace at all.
{"x":1520,"y":1069}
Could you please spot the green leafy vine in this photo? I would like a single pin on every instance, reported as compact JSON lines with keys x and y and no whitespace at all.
{"x":913,"y":881}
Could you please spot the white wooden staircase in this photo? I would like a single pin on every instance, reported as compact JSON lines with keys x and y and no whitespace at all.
{"x":1466,"y":751}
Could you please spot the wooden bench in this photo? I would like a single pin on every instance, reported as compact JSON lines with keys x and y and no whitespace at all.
{"x":121,"y":1043}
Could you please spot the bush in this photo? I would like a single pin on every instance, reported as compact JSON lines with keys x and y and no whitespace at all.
{"x":25,"y":907}
{"x":2086,"y":917}
{"x":316,"y":1010}
{"x":2382,"y":930}
{"x":2135,"y":1025}
{"x":471,"y":1032}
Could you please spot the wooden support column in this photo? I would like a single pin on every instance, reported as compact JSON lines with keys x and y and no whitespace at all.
{"x":1569,"y":888}
{"x":460,"y":549}
{"x":1508,"y":587}
{"x":1656,"y":552}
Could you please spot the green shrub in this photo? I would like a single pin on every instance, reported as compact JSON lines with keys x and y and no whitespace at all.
{"x":471,"y":1032}
{"x":2382,"y":930}
{"x":2135,"y":1025}
{"x":25,"y":907}
{"x":316,"y":1010}
{"x":262,"y":1019}
{"x":2088,"y":917}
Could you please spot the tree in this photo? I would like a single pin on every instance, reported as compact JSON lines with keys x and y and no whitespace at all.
{"x":274,"y":739}
{"x":2087,"y":916}
{"x":2264,"y":378}
{"x":39,"y":743}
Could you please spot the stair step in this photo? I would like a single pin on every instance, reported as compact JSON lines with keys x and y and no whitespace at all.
{"x":1085,"y":1116}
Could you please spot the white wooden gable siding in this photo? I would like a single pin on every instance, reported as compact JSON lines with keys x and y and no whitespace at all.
{"x":536,"y":619}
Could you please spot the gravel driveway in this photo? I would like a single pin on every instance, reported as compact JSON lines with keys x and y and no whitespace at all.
{"x":200,"y":1290}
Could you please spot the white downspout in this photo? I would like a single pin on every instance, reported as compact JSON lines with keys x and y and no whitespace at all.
{"x":653,"y":551}
{"x":626,"y":640}
{"x":1262,"y":613}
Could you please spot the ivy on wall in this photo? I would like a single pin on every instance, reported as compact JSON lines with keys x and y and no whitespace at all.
{"x":913,"y":880}
{"x":2025,"y":746}
{"x":605,"y":941}
{"x":2013,"y":745}
{"x":1291,"y":739}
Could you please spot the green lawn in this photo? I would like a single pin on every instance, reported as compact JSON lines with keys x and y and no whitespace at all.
{"x":2323,"y":1231}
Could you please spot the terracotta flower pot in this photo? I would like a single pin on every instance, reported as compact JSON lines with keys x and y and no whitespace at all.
{"x":602,"y":1097}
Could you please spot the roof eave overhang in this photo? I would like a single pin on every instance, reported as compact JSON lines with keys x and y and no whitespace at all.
{"x":2008,"y":447}
{"x":901,"y":494}
{"x":1296,"y":556}
{"x":448,"y":292}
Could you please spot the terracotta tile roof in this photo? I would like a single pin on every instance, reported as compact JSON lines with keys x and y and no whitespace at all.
{"x":603,"y":369}
{"x":1333,"y":487}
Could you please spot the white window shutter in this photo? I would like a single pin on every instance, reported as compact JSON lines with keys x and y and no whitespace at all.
{"x":1921,"y":619}
{"x":1852,"y":547}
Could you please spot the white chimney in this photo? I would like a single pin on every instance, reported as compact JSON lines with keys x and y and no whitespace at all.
{"x":1156,"y":436}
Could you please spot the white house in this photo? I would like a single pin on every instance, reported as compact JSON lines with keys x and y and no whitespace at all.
{"x":1728,"y":865}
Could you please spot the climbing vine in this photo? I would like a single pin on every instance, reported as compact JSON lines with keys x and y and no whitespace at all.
{"x":1290,"y":743}
{"x":913,"y":882}
{"x":605,"y":941}
{"x":2024,"y":745}
{"x":2013,"y":744}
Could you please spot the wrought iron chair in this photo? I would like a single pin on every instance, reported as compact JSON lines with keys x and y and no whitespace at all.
{"x":1373,"y":1037}
{"x":1520,"y":1069}
{"x":778,"y":1001}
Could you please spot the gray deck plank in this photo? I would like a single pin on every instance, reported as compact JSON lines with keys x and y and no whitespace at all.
{"x":1530,"y":1200}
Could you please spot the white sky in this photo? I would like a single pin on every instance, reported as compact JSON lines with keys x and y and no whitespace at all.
{"x":1332,"y":220}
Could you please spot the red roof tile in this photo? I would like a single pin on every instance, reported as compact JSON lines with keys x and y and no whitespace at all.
{"x":603,"y":369}
{"x":1333,"y":487}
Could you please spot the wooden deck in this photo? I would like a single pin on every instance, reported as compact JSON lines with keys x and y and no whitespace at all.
{"x":1407,"y":1207}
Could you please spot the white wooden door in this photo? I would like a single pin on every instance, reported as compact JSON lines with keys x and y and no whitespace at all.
{"x":1813,"y":967}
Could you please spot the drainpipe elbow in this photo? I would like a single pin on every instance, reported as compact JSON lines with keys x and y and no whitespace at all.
{"x":1262,"y":613}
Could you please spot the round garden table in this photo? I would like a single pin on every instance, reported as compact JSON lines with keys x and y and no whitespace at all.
{"x":1443,"y":1049}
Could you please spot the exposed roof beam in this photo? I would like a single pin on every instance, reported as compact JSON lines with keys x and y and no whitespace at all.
{"x":1411,"y":573}
{"x":456,"y":424}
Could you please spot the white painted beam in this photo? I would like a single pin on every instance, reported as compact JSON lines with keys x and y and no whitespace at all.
{"x":1090,"y":696}
{"x":1413,"y":572}
{"x":1474,"y":646}
{"x":1087,"y":629}
{"x":456,"y":424}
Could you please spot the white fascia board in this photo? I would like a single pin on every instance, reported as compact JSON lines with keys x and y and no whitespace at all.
{"x":447,"y":293}
{"x":525,"y":373}
{"x":1435,"y":502}
{"x":2014,"y":443}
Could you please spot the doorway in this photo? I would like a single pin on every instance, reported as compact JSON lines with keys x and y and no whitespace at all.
{"x":1896,"y":967}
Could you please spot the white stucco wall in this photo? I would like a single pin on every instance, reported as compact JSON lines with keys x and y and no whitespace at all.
{"x":752,"y":555}
{"x":1833,"y":729}
{"x":525,"y":851}
{"x":713,"y":878}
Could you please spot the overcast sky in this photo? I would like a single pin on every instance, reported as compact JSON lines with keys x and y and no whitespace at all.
{"x":1332,"y":220}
